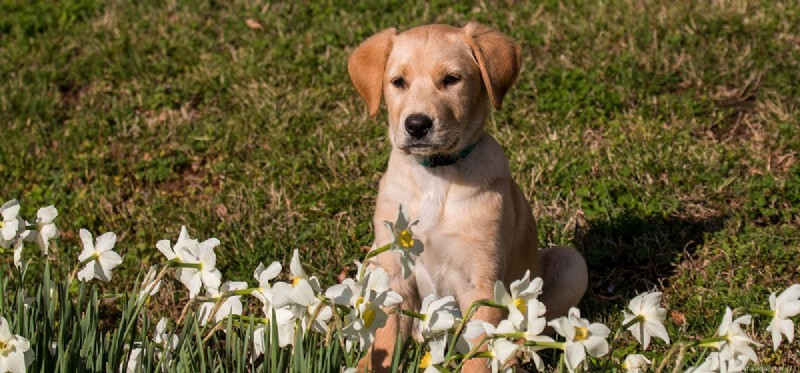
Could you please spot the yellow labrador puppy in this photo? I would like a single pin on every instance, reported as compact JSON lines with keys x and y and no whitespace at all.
{"x":439,"y":84}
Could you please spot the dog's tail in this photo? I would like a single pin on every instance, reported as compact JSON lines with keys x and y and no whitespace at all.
{"x":565,"y":279}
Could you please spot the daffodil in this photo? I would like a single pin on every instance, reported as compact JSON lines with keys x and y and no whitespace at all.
{"x":10,"y":225}
{"x":264,"y":290}
{"x":784,"y":306}
{"x":45,"y":228}
{"x":15,"y":350}
{"x":99,"y":258}
{"x":231,"y":305}
{"x":365,"y":318}
{"x":534,"y":327}
{"x":134,"y":363}
{"x":184,"y":247}
{"x":301,"y":293}
{"x":204,"y":272}
{"x":403,"y":241}
{"x":167,"y":343}
{"x":737,"y":345}
{"x":434,"y":356}
{"x":715,"y":363}
{"x":439,"y":315}
{"x":522,"y":291}
{"x":649,"y":318}
{"x":501,"y":349}
{"x":582,"y":338}
{"x":19,"y":244}
{"x":635,"y":363}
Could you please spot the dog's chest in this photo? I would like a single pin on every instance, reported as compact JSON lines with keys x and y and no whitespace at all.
{"x":441,"y":268}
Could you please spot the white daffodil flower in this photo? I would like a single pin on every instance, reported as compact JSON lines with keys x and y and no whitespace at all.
{"x":167,"y":343}
{"x":582,"y":337}
{"x":434,"y":356}
{"x":737,"y":343}
{"x":403,"y":241}
{"x":231,"y":305}
{"x":134,"y":362}
{"x":651,"y":317}
{"x":522,"y":291}
{"x":99,"y":257}
{"x":207,"y":275}
{"x":635,"y":363}
{"x":15,"y":351}
{"x":364,"y":319}
{"x":784,"y":306}
{"x":264,"y":276}
{"x":439,"y":315}
{"x":184,"y":247}
{"x":298,"y":295}
{"x":10,"y":225}
{"x":501,"y":349}
{"x":714,"y":363}
{"x":46,"y":229}
{"x":535,"y":324}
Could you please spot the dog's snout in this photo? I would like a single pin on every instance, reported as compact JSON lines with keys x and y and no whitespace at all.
{"x":418,"y":125}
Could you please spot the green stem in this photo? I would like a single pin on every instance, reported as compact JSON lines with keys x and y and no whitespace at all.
{"x":709,"y":342}
{"x":470,"y":311}
{"x":413,"y":314}
{"x":757,"y":311}
{"x":555,"y":345}
{"x":376,"y":252}
{"x":613,"y":344}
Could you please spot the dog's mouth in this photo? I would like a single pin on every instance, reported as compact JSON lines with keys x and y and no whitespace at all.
{"x":427,"y":148}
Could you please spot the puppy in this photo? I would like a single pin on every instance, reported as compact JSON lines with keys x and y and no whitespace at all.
{"x":439,"y":84}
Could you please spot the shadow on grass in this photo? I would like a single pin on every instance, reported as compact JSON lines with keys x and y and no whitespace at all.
{"x":631,"y":254}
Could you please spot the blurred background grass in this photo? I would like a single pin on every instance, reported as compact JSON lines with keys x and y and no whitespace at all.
{"x":661,"y":138}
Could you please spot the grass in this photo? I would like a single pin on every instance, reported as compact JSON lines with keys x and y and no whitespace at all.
{"x":660,"y":138}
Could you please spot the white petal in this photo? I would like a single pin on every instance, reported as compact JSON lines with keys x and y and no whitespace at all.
{"x":87,"y":273}
{"x":575,"y":354}
{"x":5,"y":330}
{"x":46,"y":214}
{"x":596,"y":346}
{"x":86,"y":238}
{"x":105,"y":242}
{"x":10,"y":210}
{"x":657,"y":330}
{"x":295,"y":266}
{"x":164,"y":247}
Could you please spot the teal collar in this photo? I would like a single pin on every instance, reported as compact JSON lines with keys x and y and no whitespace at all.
{"x":437,"y":160}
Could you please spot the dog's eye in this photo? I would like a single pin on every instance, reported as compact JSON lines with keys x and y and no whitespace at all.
{"x":450,"y":79}
{"x":399,"y":82}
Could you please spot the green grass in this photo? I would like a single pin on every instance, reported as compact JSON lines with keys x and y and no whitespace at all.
{"x":660,"y":138}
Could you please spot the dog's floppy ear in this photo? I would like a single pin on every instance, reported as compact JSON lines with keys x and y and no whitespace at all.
{"x":498,"y":57}
{"x":366,"y":66}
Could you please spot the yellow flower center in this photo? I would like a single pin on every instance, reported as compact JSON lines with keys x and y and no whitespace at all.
{"x":296,"y":281}
{"x":581,"y":333}
{"x":368,"y":316}
{"x":3,"y":346}
{"x":425,"y":361}
{"x":520,"y":304}
{"x":405,"y":239}
{"x":359,"y":301}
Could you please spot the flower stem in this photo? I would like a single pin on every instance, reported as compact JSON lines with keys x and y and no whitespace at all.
{"x":413,"y":314}
{"x":470,"y":311}
{"x":377,"y":252}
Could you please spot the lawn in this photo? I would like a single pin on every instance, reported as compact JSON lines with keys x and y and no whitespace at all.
{"x":660,"y":138}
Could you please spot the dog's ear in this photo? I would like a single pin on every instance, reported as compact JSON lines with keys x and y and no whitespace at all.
{"x":498,"y":57}
{"x":366,"y":66}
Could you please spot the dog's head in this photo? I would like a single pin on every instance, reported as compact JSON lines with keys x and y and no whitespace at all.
{"x":438,"y":82}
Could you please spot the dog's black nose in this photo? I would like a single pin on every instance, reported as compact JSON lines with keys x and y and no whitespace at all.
{"x":418,"y":125}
